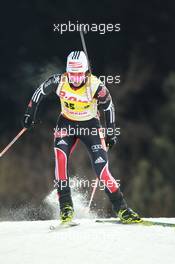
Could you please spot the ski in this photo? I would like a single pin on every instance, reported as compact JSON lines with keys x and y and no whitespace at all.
{"x":63,"y":225}
{"x":143,"y":222}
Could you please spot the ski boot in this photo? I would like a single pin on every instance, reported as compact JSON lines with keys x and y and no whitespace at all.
{"x":128,"y":216}
{"x":66,"y":214}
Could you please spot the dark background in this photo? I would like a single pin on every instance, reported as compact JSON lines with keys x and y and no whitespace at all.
{"x":142,"y":53}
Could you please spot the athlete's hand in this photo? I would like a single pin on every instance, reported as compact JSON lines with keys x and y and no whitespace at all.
{"x":30,"y":114}
{"x":28,"y":120}
{"x":110,"y":141}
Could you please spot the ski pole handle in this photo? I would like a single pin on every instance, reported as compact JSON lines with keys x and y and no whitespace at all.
{"x":12,"y":142}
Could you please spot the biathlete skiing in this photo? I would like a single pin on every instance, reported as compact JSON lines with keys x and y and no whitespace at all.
{"x":81,"y":96}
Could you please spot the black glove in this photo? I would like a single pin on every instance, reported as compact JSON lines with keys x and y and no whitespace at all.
{"x":28,"y":121}
{"x":29,"y":117}
{"x":110,"y":141}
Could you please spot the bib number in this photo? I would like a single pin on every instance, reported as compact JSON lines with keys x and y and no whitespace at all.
{"x":69,"y":105}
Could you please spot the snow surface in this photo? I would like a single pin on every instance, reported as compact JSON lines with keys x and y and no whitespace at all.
{"x":31,"y":242}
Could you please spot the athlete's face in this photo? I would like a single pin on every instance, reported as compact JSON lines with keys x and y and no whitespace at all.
{"x":76,"y":78}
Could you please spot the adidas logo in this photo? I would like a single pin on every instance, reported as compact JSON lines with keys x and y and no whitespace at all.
{"x":61,"y":142}
{"x":99,"y":160}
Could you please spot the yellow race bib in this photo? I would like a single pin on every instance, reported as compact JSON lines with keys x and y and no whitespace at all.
{"x":75,"y":104}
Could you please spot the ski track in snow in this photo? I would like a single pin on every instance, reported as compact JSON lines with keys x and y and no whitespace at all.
{"x":30,"y":242}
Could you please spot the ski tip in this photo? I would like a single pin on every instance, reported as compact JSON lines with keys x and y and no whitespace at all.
{"x":52,"y":227}
{"x":63,"y":225}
